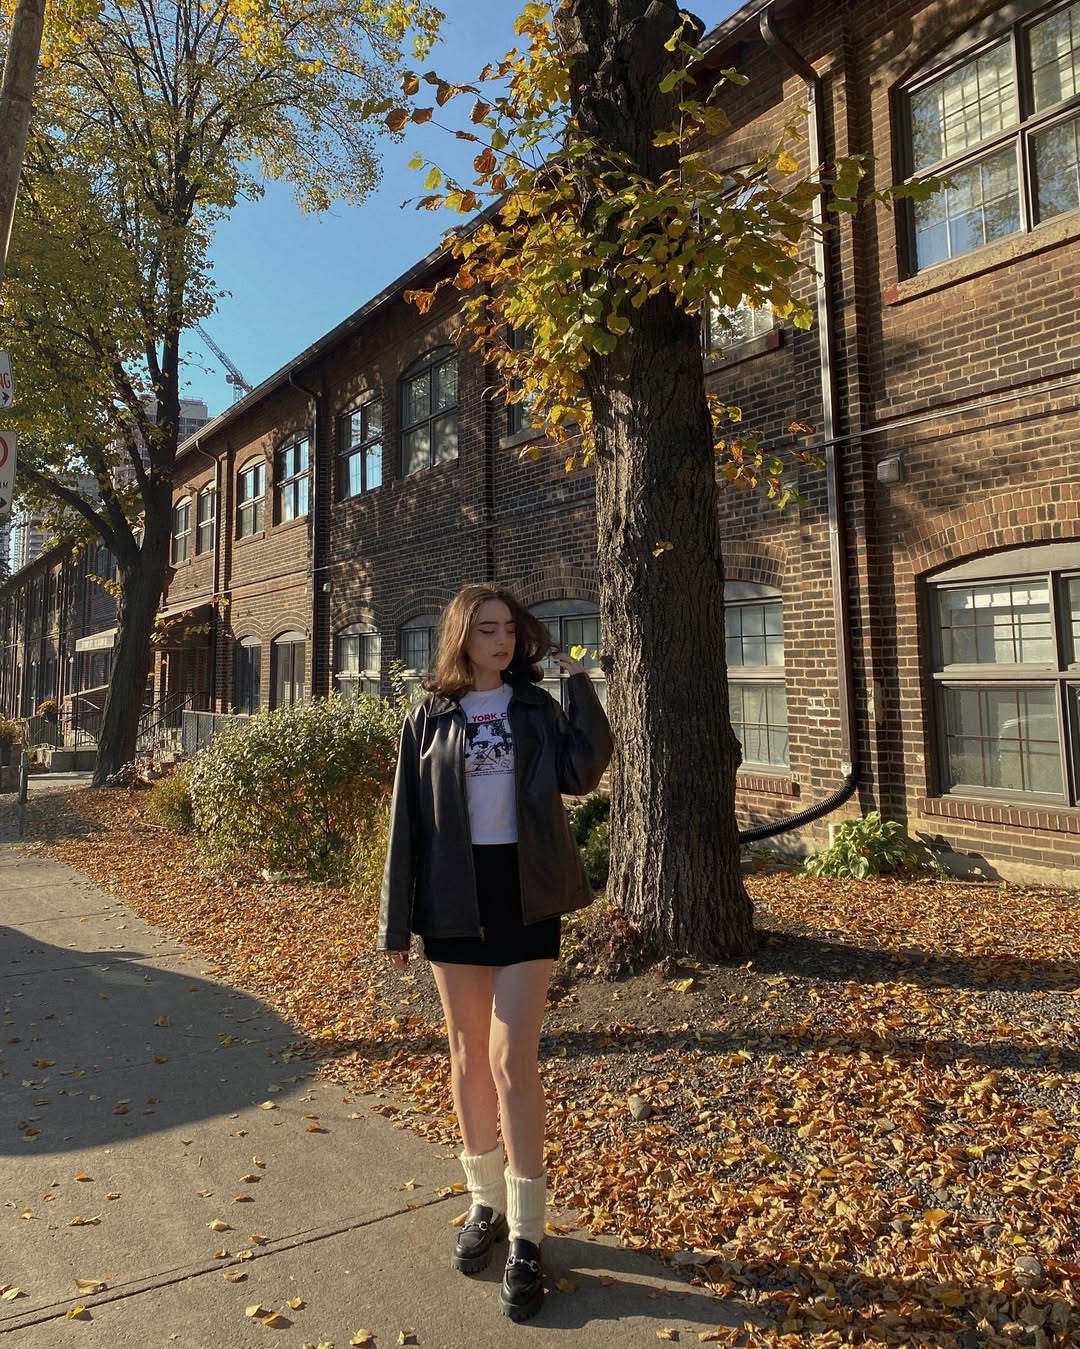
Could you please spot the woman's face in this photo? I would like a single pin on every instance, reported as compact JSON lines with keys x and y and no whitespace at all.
{"x":491,"y":639}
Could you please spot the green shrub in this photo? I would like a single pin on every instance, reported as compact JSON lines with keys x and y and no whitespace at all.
{"x":169,"y":802}
{"x":871,"y":846}
{"x":585,"y":816}
{"x":596,"y":855}
{"x":287,"y":790}
{"x":367,"y":856}
{"x":11,"y":732}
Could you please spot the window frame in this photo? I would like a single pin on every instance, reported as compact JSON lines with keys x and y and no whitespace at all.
{"x":347,"y":450}
{"x":180,"y":547}
{"x":1011,"y":25}
{"x":713,"y":348}
{"x":563,"y":611}
{"x":365,"y":674}
{"x":748,"y":595}
{"x":293,"y":486}
{"x":256,"y":503}
{"x":519,"y":415}
{"x":427,"y":366}
{"x":208,"y":493}
{"x":291,"y":640}
{"x":255,"y":703}
{"x":429,"y":622}
{"x":1062,"y":677}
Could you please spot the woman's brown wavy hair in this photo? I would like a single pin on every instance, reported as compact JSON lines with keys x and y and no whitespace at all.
{"x":452,"y":675}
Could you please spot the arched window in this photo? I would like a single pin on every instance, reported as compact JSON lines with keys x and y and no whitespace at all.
{"x":754,"y":648}
{"x":287,"y":669}
{"x":247,"y":675}
{"x":572,"y":623}
{"x":998,"y":113}
{"x":358,"y":660}
{"x":250,"y":498}
{"x":360,"y":450}
{"x":206,"y":519}
{"x":429,"y":411}
{"x":1005,"y":663}
{"x":417,"y":648}
{"x":292,"y":477}
{"x":181,"y":530}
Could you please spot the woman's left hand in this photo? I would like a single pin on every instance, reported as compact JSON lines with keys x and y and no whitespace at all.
{"x":568,"y":663}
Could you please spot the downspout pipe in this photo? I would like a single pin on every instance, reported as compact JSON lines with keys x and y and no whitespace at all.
{"x":826,"y":328}
{"x":317,"y":397}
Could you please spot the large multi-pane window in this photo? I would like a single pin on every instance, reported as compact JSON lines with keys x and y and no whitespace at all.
{"x":206,"y":519}
{"x":358,"y":660}
{"x":754,"y":648}
{"x":287,"y":669}
{"x":247,"y":675}
{"x":181,"y":531}
{"x":417,"y":648}
{"x":1002,"y":122}
{"x":360,"y":450}
{"x":1006,"y":658}
{"x":429,"y":411}
{"x":727,"y":326}
{"x":250,"y":497}
{"x":572,"y":623}
{"x":293,"y":476}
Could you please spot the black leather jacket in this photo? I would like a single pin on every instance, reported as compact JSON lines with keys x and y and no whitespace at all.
{"x":429,"y":885}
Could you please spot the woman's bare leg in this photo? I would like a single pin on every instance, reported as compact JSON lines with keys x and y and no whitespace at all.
{"x":466,"y":992}
{"x":520,"y":998}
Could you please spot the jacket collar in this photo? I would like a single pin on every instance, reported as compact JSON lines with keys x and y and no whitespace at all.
{"x":522,"y":693}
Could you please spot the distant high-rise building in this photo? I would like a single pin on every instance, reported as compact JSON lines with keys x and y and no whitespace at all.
{"x":26,"y":539}
{"x":193,"y":414}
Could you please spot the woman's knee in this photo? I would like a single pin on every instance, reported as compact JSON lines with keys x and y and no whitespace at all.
{"x":468,"y":1055}
{"x":513,"y":1068}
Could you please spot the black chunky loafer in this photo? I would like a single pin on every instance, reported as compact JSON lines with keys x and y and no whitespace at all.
{"x":480,"y":1231}
{"x":522,"y":1292}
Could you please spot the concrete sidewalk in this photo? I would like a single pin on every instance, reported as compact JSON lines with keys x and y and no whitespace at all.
{"x":123,"y":1060}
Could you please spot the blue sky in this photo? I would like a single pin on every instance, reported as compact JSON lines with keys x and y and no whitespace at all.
{"x":293,"y":277}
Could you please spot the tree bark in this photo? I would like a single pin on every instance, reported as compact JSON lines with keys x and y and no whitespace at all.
{"x":20,"y":71}
{"x":674,"y":847}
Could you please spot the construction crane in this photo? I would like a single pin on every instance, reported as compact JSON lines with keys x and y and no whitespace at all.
{"x":240,"y":386}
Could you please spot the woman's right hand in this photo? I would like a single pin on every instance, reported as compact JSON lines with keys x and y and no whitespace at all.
{"x":399,"y":960}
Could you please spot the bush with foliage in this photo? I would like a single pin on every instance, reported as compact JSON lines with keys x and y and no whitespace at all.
{"x":367,"y":856}
{"x":871,"y":846}
{"x":169,"y":802}
{"x":289,"y":789}
{"x":584,"y":817}
{"x":49,"y":708}
{"x":596,"y":855}
{"x":12,"y":732}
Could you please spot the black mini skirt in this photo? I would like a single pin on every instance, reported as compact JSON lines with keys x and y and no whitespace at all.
{"x":507,"y":939}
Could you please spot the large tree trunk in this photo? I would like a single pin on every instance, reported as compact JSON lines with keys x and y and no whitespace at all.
{"x":675,"y":852}
{"x":142,"y":578}
{"x":20,"y":72}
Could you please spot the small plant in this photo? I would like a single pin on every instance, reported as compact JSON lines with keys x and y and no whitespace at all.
{"x":10,"y":732}
{"x":585,"y":816}
{"x":48,"y":708}
{"x":169,"y":802}
{"x":871,"y":846}
{"x":596,"y":854}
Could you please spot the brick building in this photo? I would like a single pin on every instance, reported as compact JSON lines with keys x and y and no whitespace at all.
{"x":913,"y":628}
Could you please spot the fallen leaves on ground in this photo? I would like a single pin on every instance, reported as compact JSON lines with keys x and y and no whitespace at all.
{"x":868,"y":1132}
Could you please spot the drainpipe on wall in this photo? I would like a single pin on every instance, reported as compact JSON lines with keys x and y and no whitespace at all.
{"x":217,"y":623}
{"x":834,"y":477}
{"x":317,"y":419}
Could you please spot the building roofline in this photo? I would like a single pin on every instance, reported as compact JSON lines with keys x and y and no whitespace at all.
{"x":742,"y":26}
{"x":346,"y":328}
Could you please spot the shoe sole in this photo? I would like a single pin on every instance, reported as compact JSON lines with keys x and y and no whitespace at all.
{"x":473,"y":1264}
{"x":522,"y":1311}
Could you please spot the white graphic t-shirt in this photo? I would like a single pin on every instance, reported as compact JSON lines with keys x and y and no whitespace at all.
{"x":489,"y":766}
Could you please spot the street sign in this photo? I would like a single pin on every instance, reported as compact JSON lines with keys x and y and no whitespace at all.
{"x":7,"y":382}
{"x":7,"y":470}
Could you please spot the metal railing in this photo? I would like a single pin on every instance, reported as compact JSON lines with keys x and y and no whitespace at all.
{"x":161,"y":726}
{"x":199,"y":728}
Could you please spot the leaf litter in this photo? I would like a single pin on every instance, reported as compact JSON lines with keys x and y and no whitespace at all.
{"x":869,"y":1132}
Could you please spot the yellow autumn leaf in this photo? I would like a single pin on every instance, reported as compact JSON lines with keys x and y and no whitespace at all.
{"x":256,"y":1309}
{"x":218,"y":1225}
{"x":90,"y":1285}
{"x":681,"y":985}
{"x":274,"y":1320}
{"x":363,"y":1337}
{"x":786,"y":162}
{"x":77,"y":1313}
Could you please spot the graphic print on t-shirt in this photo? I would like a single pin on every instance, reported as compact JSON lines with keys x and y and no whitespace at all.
{"x":488,"y":744}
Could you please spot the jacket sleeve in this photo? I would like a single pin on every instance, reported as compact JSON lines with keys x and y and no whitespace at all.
{"x":583,"y":744}
{"x":399,"y":874}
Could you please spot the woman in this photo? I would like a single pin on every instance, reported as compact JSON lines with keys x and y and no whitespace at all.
{"x":481,"y":863}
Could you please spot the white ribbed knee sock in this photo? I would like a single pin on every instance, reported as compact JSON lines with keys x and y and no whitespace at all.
{"x":484,"y":1177}
{"x":526,"y":1200}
